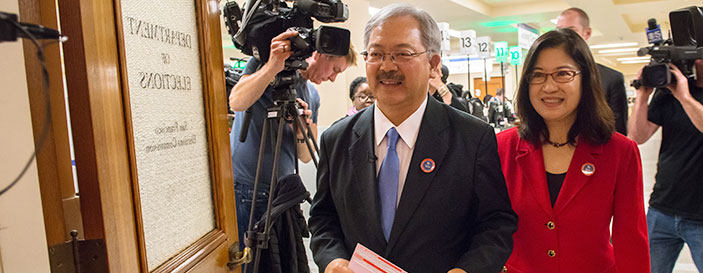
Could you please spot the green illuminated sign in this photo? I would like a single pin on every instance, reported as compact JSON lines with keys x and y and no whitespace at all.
{"x":501,"y":49}
{"x":515,"y":58}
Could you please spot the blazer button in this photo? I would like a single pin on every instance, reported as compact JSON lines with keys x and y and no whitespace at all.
{"x":505,"y":270}
{"x":551,"y":253}
{"x":550,"y":225}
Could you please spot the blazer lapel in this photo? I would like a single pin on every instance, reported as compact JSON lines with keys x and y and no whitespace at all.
{"x":531,"y":162}
{"x":575,"y":178}
{"x":363,"y":176}
{"x":431,"y":144}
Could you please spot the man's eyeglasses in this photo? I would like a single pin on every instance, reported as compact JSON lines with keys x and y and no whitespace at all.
{"x":560,"y":76}
{"x":397,"y":56}
{"x":365,"y":97}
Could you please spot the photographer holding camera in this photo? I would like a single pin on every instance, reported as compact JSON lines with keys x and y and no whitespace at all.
{"x":253,"y":92}
{"x":675,"y":212}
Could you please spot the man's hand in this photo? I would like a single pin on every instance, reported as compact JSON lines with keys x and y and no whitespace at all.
{"x":280,"y":51}
{"x":680,"y":88}
{"x":339,"y":265}
{"x":307,"y":113}
{"x":644,"y":91}
{"x":436,"y":80}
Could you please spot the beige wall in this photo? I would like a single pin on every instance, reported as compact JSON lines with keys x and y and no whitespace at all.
{"x":22,"y":237}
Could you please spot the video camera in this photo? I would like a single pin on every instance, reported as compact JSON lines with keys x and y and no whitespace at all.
{"x":686,"y":47}
{"x":252,"y":32}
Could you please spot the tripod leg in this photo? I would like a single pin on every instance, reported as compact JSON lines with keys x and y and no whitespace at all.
{"x":307,"y":134}
{"x":274,"y":178}
{"x":259,"y":161}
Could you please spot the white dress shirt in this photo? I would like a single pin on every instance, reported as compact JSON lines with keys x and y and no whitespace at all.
{"x":407,"y":132}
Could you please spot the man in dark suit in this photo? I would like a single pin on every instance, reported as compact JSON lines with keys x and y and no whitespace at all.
{"x":410,"y":178}
{"x":612,"y":81}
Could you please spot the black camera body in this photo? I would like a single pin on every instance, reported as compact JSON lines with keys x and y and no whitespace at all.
{"x":253,"y":32}
{"x":685,"y":46}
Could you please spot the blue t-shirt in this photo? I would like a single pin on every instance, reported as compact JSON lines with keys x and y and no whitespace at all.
{"x":245,"y":154}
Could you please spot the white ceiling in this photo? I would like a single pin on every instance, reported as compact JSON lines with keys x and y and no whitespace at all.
{"x":612,"y":21}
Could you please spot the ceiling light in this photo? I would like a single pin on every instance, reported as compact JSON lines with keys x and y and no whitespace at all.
{"x":628,"y":49}
{"x":614,"y":45}
{"x":632,"y":58}
{"x":373,"y":10}
{"x":635,"y":62}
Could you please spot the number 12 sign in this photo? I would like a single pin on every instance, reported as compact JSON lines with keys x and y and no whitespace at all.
{"x":484,"y":46}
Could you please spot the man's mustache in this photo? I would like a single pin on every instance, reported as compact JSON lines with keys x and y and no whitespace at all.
{"x":389,"y":76}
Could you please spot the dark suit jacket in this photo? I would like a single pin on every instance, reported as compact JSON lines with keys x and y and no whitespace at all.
{"x":613,"y":85}
{"x":458,"y":215}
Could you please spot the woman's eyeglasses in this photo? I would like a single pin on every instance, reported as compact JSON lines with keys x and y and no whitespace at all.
{"x":560,"y":76}
{"x":365,"y":97}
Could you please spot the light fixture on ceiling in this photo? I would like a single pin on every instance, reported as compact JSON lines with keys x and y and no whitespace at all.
{"x":635,"y":62}
{"x":613,"y":45}
{"x":628,"y":49}
{"x":373,"y":10}
{"x":632,"y":58}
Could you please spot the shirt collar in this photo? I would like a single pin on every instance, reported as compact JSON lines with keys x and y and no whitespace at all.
{"x":408,"y":129}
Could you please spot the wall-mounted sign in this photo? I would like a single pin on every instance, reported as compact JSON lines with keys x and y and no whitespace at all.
{"x":526,"y":35}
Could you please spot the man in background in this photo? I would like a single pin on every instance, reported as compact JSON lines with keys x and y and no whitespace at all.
{"x":253,"y":92}
{"x":675,"y":214}
{"x":612,"y":81}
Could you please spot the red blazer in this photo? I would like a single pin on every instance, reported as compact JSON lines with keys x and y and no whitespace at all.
{"x":574,"y":235}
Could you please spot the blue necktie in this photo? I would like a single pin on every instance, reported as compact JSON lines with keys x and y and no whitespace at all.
{"x":388,"y":183}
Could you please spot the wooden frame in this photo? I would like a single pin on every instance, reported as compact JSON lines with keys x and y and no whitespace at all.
{"x":54,"y":156}
{"x":95,"y":77}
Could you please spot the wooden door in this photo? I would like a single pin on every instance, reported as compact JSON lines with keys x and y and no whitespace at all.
{"x":493,"y":84}
{"x":129,"y":128}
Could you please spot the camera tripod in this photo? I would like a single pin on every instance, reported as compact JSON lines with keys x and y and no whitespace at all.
{"x":284,"y":111}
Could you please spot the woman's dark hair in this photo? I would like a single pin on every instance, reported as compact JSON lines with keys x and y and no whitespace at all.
{"x":354,"y":84}
{"x":594,"y":119}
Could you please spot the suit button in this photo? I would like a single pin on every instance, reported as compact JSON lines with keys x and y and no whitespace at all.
{"x":550,"y":225}
{"x":505,"y":270}
{"x":551,"y":253}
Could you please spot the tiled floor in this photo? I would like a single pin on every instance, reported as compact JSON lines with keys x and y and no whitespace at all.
{"x":649,"y":152}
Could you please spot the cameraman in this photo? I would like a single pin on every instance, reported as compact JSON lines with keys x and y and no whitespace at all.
{"x":675,"y":212}
{"x":254,"y":92}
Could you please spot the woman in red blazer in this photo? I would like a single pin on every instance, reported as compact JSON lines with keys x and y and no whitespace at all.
{"x":567,"y":172}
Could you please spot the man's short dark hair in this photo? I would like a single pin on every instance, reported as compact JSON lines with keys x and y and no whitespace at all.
{"x":585,"y":22}
{"x":354,"y":84}
{"x":595,"y":121}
